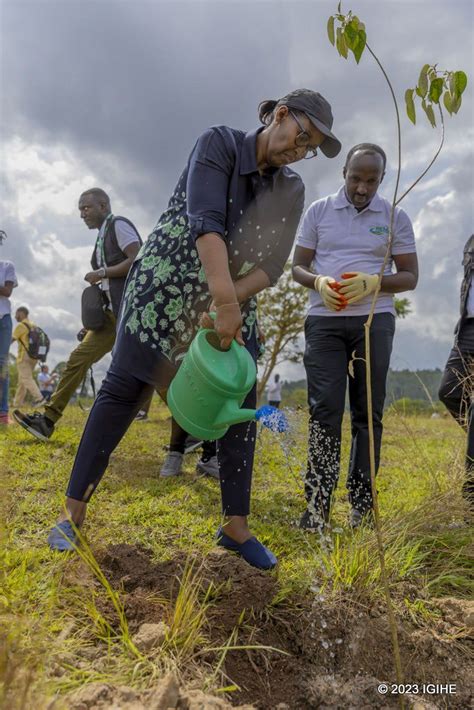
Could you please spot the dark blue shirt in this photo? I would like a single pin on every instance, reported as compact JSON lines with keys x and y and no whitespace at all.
{"x":221,"y":191}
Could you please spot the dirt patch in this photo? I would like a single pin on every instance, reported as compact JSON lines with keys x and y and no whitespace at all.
{"x":335,"y":654}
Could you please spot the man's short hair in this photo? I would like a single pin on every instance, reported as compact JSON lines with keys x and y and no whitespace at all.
{"x":370,"y":148}
{"x":98,"y":193}
{"x":24,"y":310}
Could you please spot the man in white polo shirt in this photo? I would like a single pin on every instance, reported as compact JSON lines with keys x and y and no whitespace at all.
{"x":341,"y":244}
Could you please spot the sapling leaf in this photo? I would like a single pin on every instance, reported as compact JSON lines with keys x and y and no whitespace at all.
{"x":460,"y":82}
{"x":350,"y":366}
{"x":341,"y":43}
{"x":360,"y":46}
{"x":428,"y":109}
{"x":339,"y":6}
{"x":456,"y":103}
{"x":351,"y":36}
{"x":447,"y":100}
{"x":410,"y":105}
{"x":423,"y":81}
{"x":436,"y":89}
{"x":331,"y":30}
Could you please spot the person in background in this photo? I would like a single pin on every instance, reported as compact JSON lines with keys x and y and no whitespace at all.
{"x":179,"y":445}
{"x":46,"y":382}
{"x":341,"y":245}
{"x":225,"y":236}
{"x":116,"y":246}
{"x":24,"y":363}
{"x":182,"y":443}
{"x":7,"y":283}
{"x":274,"y":391}
{"x":457,"y":385}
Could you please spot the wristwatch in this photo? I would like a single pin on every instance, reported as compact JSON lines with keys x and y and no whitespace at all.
{"x":102,"y":272}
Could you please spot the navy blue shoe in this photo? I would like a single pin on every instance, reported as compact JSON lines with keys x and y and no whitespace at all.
{"x":63,"y":537}
{"x":252,"y":551}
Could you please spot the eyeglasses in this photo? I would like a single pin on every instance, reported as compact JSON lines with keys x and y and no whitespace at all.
{"x":302,"y":139}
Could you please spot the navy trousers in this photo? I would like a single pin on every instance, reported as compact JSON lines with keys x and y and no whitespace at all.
{"x":119,"y":400}
{"x":456,"y":391}
{"x":330,"y":344}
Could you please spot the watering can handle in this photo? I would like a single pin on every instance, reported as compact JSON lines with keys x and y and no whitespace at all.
{"x":213,"y":315}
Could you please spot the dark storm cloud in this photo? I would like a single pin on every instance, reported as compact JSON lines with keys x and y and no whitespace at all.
{"x":139,"y":80}
{"x":126,"y":88}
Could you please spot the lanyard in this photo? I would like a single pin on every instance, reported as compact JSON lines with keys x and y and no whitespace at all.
{"x":101,"y":238}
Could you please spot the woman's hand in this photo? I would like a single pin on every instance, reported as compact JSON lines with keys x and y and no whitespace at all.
{"x":227,"y":324}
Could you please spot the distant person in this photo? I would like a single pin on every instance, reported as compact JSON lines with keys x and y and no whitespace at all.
{"x":180,"y":444}
{"x":274,"y":392}
{"x":341,"y":244}
{"x":25,"y":364}
{"x":46,"y":382}
{"x":457,"y":385}
{"x":116,"y":247}
{"x":225,"y":236}
{"x":7,"y":283}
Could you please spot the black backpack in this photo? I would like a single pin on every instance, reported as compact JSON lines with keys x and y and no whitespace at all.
{"x":38,"y":343}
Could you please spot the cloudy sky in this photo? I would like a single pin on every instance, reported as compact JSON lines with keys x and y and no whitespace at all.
{"x":113,"y":93}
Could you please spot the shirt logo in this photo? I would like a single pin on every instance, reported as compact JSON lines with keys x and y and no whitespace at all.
{"x":378,"y":231}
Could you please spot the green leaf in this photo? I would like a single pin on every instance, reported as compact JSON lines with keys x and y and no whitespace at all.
{"x":339,"y":6}
{"x":452,"y":87}
{"x":428,"y":109}
{"x":423,"y":81}
{"x":341,"y":43}
{"x":456,"y":103}
{"x":447,"y":100}
{"x":331,"y":30}
{"x":355,"y":23}
{"x":436,"y":89}
{"x":460,"y":82}
{"x":359,"y":48}
{"x":351,"y":36}
{"x":410,"y":105}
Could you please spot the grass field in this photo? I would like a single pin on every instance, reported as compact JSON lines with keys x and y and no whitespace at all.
{"x":312,"y":632}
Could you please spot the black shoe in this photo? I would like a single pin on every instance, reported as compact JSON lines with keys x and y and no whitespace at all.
{"x":36,"y":424}
{"x":313,"y":522}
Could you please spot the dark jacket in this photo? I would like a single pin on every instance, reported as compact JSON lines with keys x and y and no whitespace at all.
{"x":468,"y":264}
{"x":113,"y":256}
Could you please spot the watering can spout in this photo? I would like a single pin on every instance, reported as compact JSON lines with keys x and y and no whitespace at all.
{"x":231,"y":414}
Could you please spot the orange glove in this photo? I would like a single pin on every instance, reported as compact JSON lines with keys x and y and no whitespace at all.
{"x":357,"y":285}
{"x":327,"y":287}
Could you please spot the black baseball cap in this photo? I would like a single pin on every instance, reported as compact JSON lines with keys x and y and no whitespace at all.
{"x":319,"y":113}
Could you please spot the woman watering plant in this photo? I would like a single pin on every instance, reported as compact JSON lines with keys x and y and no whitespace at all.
{"x":225,"y":236}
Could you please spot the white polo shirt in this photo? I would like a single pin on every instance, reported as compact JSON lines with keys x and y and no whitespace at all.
{"x":7,"y":273}
{"x":345,"y":240}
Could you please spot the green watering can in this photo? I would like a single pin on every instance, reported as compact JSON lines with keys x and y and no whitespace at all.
{"x":207,"y":392}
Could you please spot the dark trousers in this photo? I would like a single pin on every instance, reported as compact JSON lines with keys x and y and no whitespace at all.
{"x":117,"y":403}
{"x":178,"y":441}
{"x":330,"y":344}
{"x":456,"y":390}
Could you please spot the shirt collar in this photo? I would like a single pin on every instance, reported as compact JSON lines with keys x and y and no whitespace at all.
{"x":341,"y":201}
{"x":248,"y":155}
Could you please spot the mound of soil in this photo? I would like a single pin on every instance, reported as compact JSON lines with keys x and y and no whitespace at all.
{"x":335,"y":654}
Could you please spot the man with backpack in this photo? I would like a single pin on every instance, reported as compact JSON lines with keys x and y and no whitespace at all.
{"x":115,"y":249}
{"x":28,"y":337}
